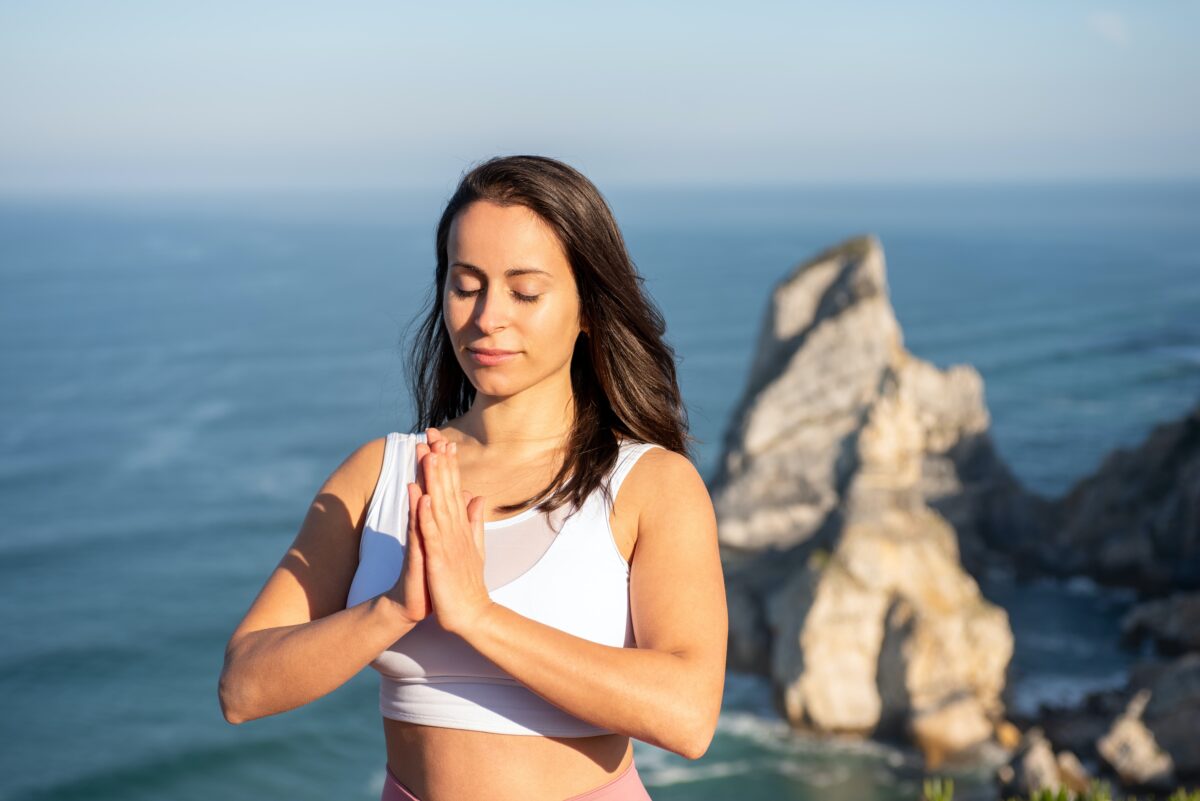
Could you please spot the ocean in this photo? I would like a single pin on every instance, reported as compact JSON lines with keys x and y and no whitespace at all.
{"x":179,"y":374}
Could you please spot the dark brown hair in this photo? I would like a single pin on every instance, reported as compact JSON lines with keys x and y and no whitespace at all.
{"x":622,"y":371}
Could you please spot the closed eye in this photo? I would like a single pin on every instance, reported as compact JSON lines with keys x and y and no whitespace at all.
{"x":463,"y":293}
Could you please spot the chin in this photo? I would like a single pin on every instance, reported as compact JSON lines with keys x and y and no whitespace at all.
{"x":493,"y":384}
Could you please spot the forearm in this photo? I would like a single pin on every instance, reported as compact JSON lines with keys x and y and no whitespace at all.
{"x":653,"y":696}
{"x":271,"y":671}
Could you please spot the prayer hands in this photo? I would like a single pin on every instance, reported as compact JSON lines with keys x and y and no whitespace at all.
{"x":443,"y":563}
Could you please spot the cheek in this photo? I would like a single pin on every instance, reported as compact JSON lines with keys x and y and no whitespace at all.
{"x":566,"y":332}
{"x":556,"y":324}
{"x":455,"y":316}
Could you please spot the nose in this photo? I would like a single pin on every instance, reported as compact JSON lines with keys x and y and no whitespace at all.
{"x":491,"y":310}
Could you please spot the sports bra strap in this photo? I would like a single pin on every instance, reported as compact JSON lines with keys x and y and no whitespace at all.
{"x":626,"y":459}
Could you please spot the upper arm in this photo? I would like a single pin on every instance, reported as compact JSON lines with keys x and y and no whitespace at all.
{"x":676,"y":585}
{"x":313,"y":578}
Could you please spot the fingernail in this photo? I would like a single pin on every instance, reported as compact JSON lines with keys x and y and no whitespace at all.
{"x":454,"y":447}
{"x":433,"y":459}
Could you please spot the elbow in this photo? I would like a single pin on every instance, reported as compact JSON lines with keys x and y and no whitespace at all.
{"x":231,"y":717}
{"x":226,"y":695}
{"x":694,"y":736}
{"x":697,"y":745}
{"x":234,"y":696}
{"x":695,"y":714}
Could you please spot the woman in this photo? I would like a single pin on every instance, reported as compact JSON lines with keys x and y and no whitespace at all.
{"x":535,"y":575}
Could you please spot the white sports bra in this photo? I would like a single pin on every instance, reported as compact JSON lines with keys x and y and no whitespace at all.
{"x":570,"y":576}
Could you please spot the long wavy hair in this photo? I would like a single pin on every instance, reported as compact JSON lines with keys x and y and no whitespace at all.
{"x":622,"y":371}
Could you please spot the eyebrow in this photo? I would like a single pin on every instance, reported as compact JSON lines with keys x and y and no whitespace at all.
{"x":510,"y":272}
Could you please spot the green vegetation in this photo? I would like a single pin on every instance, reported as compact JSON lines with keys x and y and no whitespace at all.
{"x":938,"y":790}
{"x":943,"y":790}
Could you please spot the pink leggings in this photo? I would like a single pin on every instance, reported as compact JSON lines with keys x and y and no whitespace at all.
{"x":625,"y":787}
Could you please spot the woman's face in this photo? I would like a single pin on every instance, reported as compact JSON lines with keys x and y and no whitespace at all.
{"x":509,"y":288}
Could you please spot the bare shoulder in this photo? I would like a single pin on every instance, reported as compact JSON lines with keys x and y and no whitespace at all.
{"x":671,"y":506}
{"x":353,"y":481}
{"x":663,"y":480}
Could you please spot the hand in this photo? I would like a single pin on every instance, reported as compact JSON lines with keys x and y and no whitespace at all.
{"x":450,"y":523}
{"x":411,"y":592}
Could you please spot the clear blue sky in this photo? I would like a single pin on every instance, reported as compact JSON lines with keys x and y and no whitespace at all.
{"x":166,"y":94}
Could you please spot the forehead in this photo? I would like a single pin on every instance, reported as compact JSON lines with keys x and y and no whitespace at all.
{"x":496,"y":238}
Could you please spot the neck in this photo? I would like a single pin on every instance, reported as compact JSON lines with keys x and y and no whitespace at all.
{"x":532,"y":421}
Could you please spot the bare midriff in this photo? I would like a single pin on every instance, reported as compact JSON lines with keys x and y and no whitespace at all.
{"x":443,"y":763}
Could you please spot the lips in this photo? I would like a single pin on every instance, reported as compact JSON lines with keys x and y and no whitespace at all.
{"x":488,"y":357}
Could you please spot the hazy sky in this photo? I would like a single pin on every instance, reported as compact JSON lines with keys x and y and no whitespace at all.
{"x":165,"y":94}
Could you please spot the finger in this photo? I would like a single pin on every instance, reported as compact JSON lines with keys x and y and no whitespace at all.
{"x":467,"y":497}
{"x":440,"y":488}
{"x":455,"y":476}
{"x":475,"y":510}
{"x":429,"y":463}
{"x":413,"y":540}
{"x":454,"y":507}
{"x":428,"y":472}
{"x":430,"y":534}
{"x":422,"y":450}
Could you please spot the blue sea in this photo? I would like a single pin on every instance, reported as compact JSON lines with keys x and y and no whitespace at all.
{"x":179,"y":374}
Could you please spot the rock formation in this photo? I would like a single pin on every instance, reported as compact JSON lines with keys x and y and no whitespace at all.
{"x":1136,"y":520}
{"x":1172,"y":624}
{"x":830,"y":353}
{"x":1036,"y":768}
{"x":856,"y":483}
{"x":1131,"y":750}
{"x":847,"y":468}
{"x":1147,"y":733}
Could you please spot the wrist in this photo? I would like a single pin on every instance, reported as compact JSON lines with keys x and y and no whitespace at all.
{"x":392,"y":613}
{"x":479,"y":622}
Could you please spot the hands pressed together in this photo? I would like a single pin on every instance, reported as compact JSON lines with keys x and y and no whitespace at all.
{"x":443,"y":563}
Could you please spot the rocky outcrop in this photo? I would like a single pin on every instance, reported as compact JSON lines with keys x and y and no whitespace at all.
{"x":1035,"y":767}
{"x":1147,"y":734}
{"x":1136,"y":520}
{"x":847,"y":469}
{"x":856,"y":482}
{"x":830,"y":355}
{"x":888,"y":635}
{"x":1131,"y":750}
{"x":1079,"y":728}
{"x":1172,"y":711}
{"x":1172,"y":624}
